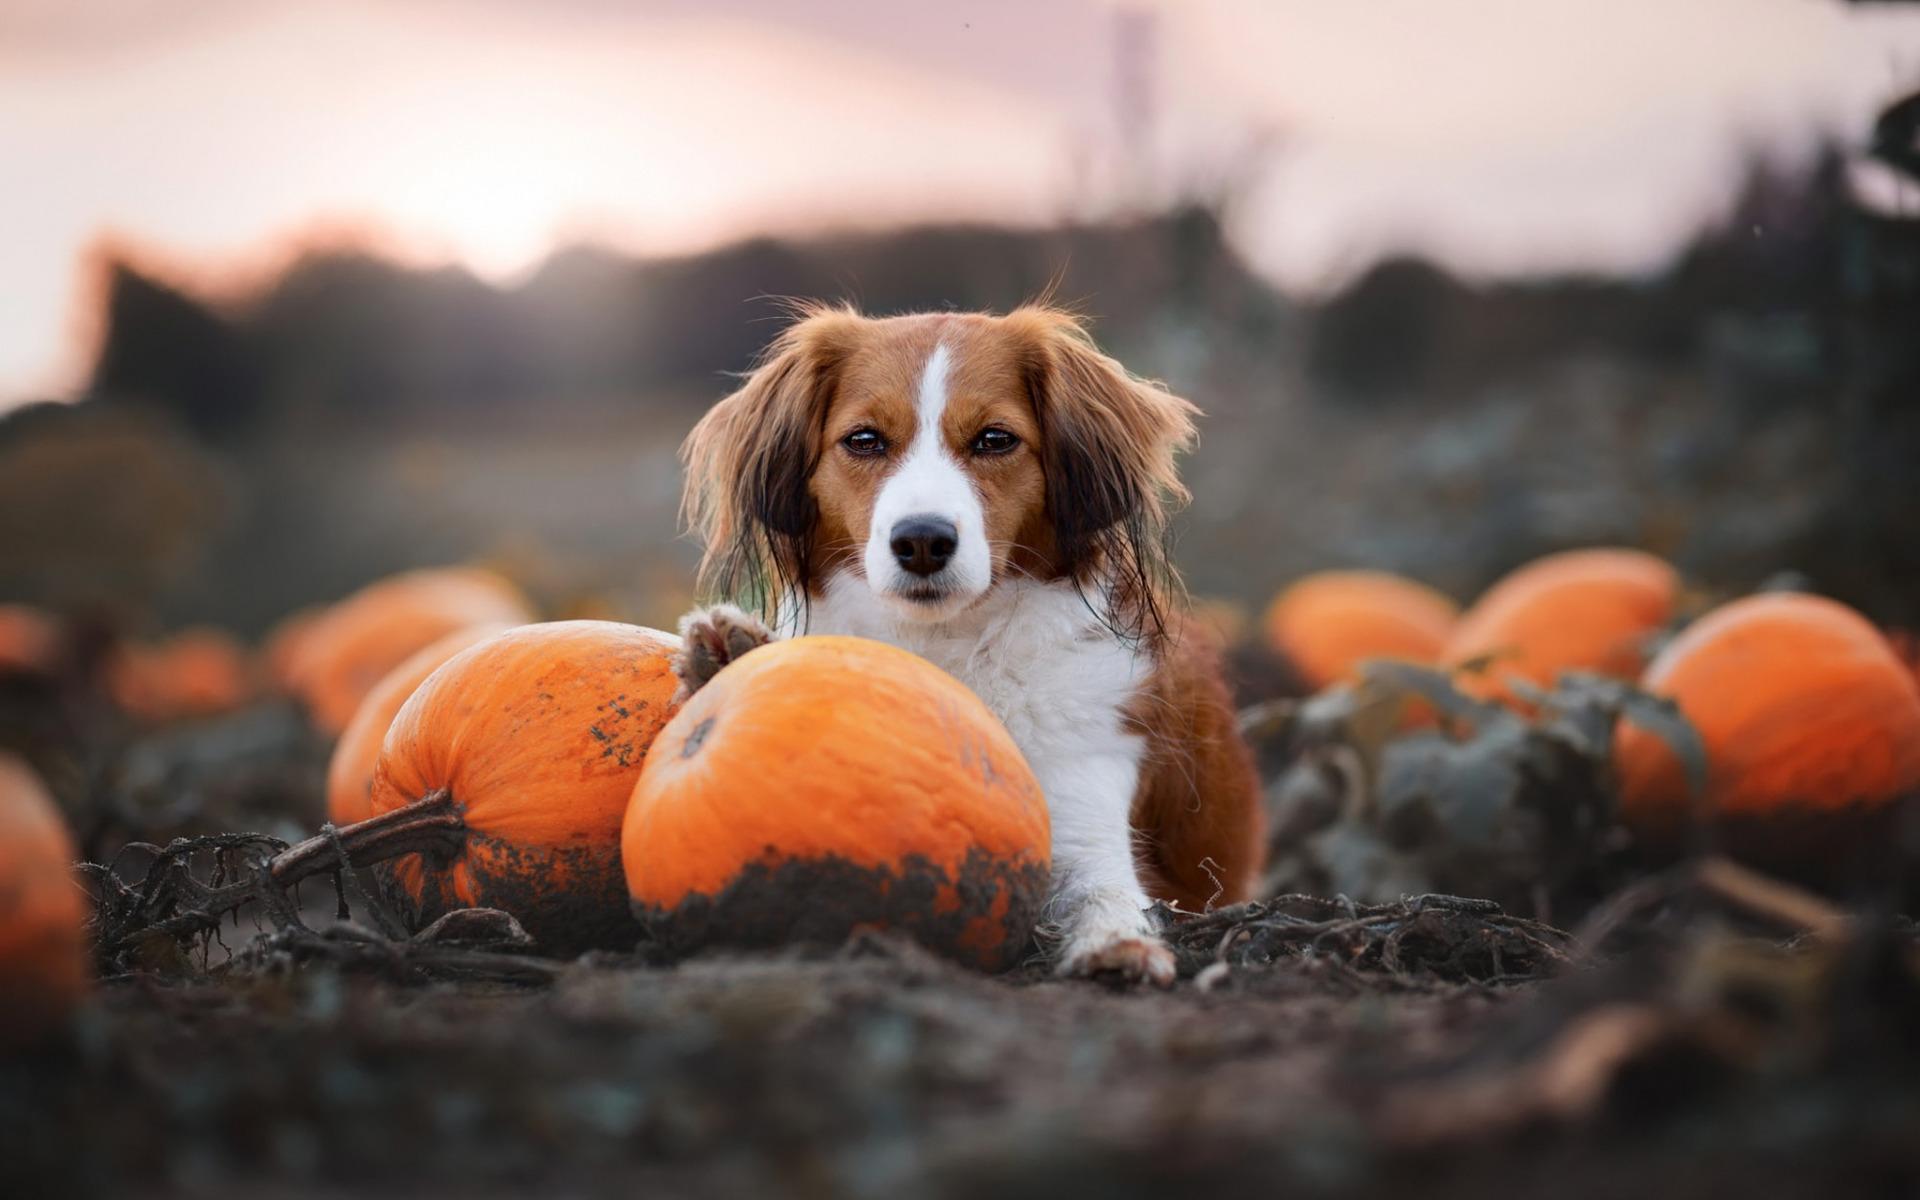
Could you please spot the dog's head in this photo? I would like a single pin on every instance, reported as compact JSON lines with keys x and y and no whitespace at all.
{"x":934,"y":456}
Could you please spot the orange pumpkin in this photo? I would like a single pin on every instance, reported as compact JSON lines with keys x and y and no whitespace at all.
{"x":43,"y":943}
{"x":1581,"y":610}
{"x":1906,"y":644}
{"x":281,"y":649}
{"x":359,"y":640}
{"x":196,"y":672}
{"x":1804,"y":711}
{"x":30,"y":641}
{"x":1328,"y":623}
{"x":350,"y":771}
{"x":824,"y":784}
{"x":538,"y":734}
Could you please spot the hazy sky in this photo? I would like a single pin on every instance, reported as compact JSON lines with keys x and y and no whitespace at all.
{"x":1501,"y":134}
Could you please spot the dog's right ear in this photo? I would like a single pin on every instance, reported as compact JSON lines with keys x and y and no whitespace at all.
{"x":750,"y":459}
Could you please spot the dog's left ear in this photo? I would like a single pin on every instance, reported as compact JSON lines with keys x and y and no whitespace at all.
{"x":1109,"y":443}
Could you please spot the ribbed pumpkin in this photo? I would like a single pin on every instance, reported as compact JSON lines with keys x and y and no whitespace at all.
{"x":196,"y":672}
{"x":30,"y":641}
{"x":1805,"y":712}
{"x":359,"y":640}
{"x":1326,"y":624}
{"x":1581,"y":610}
{"x":43,"y":944}
{"x":350,"y":771}
{"x":538,"y":733}
{"x":821,"y":785}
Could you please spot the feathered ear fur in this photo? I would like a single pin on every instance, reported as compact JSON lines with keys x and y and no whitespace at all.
{"x":750,"y":458}
{"x":1110,"y":442}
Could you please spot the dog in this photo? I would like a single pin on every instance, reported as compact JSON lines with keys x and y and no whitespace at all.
{"x":992,"y":493}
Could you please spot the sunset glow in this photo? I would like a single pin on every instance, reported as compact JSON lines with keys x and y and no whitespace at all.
{"x":481,"y":135}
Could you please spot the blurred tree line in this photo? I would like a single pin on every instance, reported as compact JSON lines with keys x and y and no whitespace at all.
{"x":346,"y":336}
{"x":1759,"y":392}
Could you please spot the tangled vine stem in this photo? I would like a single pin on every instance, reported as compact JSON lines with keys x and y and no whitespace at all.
{"x":249,"y":868}
{"x":1454,"y":938}
{"x":430,"y":825}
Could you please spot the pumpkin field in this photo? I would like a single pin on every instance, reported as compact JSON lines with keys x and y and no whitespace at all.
{"x":1557,"y":898}
{"x":368,"y":828}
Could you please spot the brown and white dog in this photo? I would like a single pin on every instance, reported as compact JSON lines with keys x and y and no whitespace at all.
{"x":991,"y":493}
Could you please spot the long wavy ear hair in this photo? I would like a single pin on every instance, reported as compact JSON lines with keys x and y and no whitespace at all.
{"x":749,"y":461}
{"x":1109,"y":443}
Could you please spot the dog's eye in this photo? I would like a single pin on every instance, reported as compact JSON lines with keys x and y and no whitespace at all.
{"x":865,"y":442}
{"x":994,"y":441}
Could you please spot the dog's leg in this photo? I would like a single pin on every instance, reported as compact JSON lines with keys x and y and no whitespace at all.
{"x":710,"y":638}
{"x":1098,"y":905}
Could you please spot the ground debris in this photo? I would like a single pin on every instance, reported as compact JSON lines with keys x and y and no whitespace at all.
{"x":1713,"y":1013}
{"x":194,"y":885}
{"x":1425,"y":939}
{"x":485,"y":948}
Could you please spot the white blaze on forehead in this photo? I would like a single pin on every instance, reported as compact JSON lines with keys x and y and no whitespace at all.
{"x":931,"y":405}
{"x":930,"y":481}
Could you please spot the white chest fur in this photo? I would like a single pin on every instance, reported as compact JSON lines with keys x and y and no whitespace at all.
{"x":1034,"y":652}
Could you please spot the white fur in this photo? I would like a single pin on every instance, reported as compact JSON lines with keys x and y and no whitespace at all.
{"x":930,"y":481}
{"x":1041,"y":659}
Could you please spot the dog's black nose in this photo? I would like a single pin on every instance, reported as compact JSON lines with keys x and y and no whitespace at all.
{"x":923,"y":544}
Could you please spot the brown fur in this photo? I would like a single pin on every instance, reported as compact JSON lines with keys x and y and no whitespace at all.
{"x":1087,"y":495}
{"x":1198,"y":810}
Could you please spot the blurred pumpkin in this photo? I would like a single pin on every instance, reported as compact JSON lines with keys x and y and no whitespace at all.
{"x":43,"y":942}
{"x":196,"y":672}
{"x":825,"y":784}
{"x":30,"y":641}
{"x":1330,"y":622}
{"x":350,"y":771}
{"x":1906,"y":644}
{"x":1581,"y":610}
{"x":280,"y":650}
{"x":354,"y":644}
{"x":538,"y":734}
{"x":1803,"y":709}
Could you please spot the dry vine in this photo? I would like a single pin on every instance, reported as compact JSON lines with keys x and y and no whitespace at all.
{"x":1432,"y":937}
{"x":194,"y":884}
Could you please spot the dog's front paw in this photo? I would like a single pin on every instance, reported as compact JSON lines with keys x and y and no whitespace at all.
{"x":1130,"y":958}
{"x":710,"y":638}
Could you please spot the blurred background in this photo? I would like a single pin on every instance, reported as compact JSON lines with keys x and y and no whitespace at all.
{"x":300,"y":292}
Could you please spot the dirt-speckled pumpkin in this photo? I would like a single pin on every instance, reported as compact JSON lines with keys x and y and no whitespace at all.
{"x":43,"y":945}
{"x":349,"y":648}
{"x":1807,"y":716}
{"x":350,"y":771}
{"x":1580,"y":610}
{"x":538,"y":733}
{"x":1328,"y":623}
{"x":825,"y":784}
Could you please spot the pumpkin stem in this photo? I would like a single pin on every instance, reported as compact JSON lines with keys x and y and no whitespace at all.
{"x":430,"y":825}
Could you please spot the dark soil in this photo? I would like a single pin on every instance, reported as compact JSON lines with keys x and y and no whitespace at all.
{"x":1704,"y":1032}
{"x":879,"y":1070}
